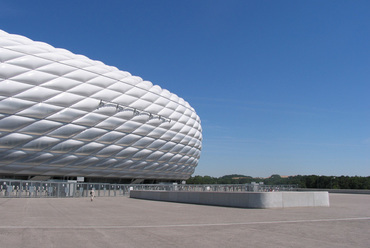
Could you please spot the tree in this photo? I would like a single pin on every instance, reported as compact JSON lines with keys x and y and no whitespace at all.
{"x":309,"y":181}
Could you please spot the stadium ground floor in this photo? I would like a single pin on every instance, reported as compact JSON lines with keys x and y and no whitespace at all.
{"x":113,"y":180}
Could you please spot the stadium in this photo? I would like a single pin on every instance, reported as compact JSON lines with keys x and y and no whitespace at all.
{"x":65,"y":116}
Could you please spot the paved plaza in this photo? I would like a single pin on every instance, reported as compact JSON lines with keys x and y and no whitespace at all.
{"x":125,"y":222}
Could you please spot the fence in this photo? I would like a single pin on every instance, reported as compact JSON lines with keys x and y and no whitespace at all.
{"x":15,"y":188}
{"x":37,"y":189}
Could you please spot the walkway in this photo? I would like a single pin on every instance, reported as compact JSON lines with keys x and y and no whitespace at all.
{"x":124,"y":222}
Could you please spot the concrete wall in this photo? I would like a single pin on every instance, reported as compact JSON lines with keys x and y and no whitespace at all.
{"x":239,"y":199}
{"x":339,"y":191}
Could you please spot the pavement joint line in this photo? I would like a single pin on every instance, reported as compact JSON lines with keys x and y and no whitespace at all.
{"x":184,"y":225}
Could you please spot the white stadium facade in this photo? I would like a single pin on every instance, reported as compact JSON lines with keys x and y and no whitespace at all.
{"x":64,"y":115}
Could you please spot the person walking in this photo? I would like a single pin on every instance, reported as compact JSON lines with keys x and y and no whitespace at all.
{"x":92,"y":195}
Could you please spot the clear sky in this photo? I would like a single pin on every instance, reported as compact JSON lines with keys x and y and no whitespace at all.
{"x":281,"y":87}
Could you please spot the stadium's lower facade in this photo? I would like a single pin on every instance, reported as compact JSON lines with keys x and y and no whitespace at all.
{"x":64,"y":115}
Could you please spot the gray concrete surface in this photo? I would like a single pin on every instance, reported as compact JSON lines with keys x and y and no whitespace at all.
{"x":281,"y":199}
{"x":126,"y":222}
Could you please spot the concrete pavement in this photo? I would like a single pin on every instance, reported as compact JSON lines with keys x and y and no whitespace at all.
{"x":125,"y":222}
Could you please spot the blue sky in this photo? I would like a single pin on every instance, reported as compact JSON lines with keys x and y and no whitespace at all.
{"x":281,"y":87}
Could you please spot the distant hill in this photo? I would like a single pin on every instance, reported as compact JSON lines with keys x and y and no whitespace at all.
{"x":308,"y":181}
{"x":235,"y":176}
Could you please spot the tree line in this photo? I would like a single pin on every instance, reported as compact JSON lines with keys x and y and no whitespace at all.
{"x":307,"y":181}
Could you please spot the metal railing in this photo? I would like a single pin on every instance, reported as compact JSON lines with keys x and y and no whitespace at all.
{"x":60,"y":189}
{"x":20,"y":188}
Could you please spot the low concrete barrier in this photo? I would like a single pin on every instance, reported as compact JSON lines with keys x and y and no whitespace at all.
{"x":239,"y":199}
{"x":339,"y":191}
